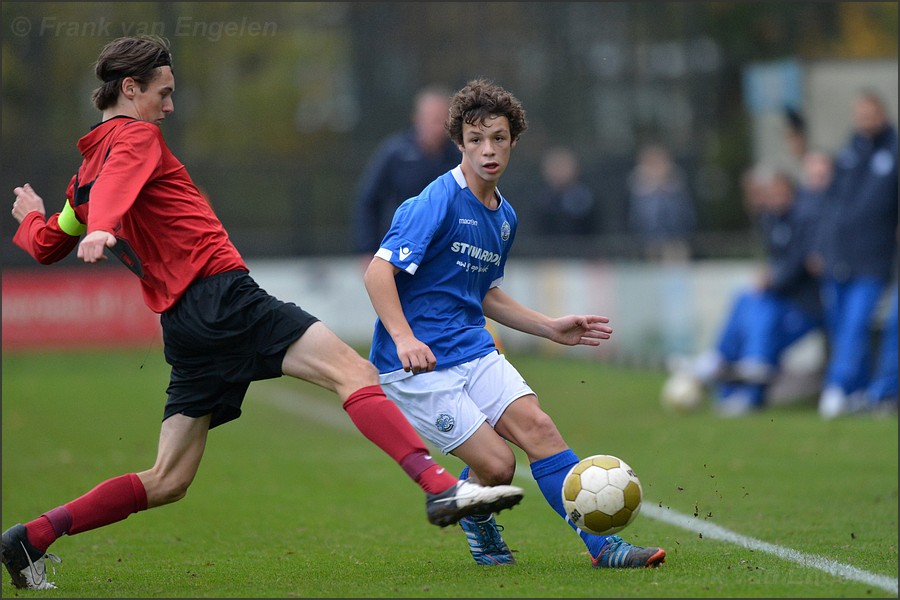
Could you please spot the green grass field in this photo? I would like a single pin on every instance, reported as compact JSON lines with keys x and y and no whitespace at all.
{"x":291,"y":501}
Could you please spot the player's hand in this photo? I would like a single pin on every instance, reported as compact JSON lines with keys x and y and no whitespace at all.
{"x":92,"y":247}
{"x":26,"y":201}
{"x":415,"y":355}
{"x":587,"y":330}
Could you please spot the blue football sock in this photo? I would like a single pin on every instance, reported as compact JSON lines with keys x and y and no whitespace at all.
{"x":549,"y":473}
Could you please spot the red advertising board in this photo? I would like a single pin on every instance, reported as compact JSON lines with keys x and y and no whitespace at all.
{"x":66,"y":307}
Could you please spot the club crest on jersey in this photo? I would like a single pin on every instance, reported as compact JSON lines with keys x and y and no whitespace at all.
{"x":444,"y":422}
{"x":505,"y":231}
{"x":882,"y":163}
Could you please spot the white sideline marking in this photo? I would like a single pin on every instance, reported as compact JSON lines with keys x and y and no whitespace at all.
{"x":333,"y":415}
{"x":716,"y":532}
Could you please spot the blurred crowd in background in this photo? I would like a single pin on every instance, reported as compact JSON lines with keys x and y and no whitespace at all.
{"x":286,"y":102}
{"x":830,"y":234}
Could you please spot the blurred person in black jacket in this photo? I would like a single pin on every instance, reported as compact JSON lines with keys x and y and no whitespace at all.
{"x":566,"y":204}
{"x":402,"y":165}
{"x":856,"y":252}
{"x":661,"y":209}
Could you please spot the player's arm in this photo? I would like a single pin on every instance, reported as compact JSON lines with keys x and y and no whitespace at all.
{"x":570,"y":330}
{"x":503,"y":308}
{"x":46,"y":240}
{"x":381,"y":286}
{"x":132,"y":160}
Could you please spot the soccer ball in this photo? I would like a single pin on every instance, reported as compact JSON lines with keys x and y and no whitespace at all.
{"x":682,"y":393}
{"x":601,"y":494}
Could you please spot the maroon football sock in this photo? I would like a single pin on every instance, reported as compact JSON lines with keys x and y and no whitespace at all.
{"x":435,"y":479}
{"x":40,"y":532}
{"x":383,"y":424}
{"x":111,"y":501}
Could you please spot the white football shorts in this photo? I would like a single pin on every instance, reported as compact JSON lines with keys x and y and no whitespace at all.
{"x":448,"y":405}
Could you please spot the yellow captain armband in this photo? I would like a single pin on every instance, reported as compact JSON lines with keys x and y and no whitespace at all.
{"x":69,"y":223}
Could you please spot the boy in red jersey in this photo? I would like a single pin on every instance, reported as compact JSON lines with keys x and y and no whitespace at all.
{"x":221,"y":331}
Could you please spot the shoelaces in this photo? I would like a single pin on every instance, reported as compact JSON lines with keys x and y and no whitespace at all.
{"x":37,"y":570}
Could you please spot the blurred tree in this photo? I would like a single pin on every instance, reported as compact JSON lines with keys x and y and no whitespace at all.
{"x":867,"y":29}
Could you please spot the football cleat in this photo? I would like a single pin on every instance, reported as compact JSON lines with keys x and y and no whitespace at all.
{"x":25,"y":563}
{"x":485,"y":542}
{"x":467,"y":498}
{"x":619,"y":554}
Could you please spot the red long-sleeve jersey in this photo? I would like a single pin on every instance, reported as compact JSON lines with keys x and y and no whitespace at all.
{"x":131,"y":185}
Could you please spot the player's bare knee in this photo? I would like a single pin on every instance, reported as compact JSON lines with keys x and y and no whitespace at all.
{"x":358,"y":372}
{"x":368,"y":371}
{"x":173,"y":491}
{"x":506,"y":474}
{"x":497,"y":472}
{"x":165,"y":489}
{"x":541,"y":426}
{"x":535,"y":433}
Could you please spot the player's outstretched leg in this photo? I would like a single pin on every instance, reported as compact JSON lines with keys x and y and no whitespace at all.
{"x":447,"y":500}
{"x":26,"y":564}
{"x":608,"y":552}
{"x":467,"y":498}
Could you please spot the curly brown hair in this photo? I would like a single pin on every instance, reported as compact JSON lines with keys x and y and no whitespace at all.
{"x":479,"y":100}
{"x":133,"y":56}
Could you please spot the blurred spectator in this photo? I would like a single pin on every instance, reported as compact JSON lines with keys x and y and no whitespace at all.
{"x":813,"y":190}
{"x":566,"y":205}
{"x":881,"y":393}
{"x":818,"y":173}
{"x":783,"y":305}
{"x":661,"y":209}
{"x":795,"y":138}
{"x":404,"y":163}
{"x":857,"y":251}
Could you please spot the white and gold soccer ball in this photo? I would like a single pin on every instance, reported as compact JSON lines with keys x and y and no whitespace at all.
{"x":601,"y":494}
{"x":682,"y":393}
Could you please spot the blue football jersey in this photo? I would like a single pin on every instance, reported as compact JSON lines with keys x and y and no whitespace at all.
{"x":450,"y":249}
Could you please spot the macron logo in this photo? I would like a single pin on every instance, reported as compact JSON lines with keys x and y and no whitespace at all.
{"x":404,"y":253}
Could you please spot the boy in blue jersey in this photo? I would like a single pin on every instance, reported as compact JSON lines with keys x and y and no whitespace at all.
{"x":433,"y":281}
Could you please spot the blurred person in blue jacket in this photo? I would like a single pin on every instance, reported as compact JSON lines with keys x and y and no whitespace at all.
{"x":881,"y":393}
{"x":402,"y":165}
{"x":783,"y":305}
{"x":566,"y":204}
{"x":856,"y":253}
{"x":661,"y":210}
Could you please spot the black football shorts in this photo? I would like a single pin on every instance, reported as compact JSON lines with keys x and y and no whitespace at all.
{"x":222,"y":334}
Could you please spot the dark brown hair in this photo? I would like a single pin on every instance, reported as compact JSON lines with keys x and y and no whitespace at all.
{"x":137,"y":57}
{"x":479,"y":100}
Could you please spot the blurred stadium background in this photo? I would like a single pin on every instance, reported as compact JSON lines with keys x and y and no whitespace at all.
{"x":279,"y":106}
